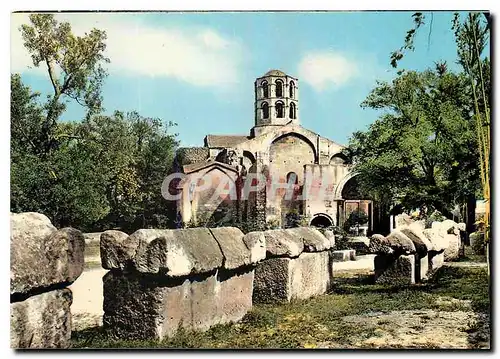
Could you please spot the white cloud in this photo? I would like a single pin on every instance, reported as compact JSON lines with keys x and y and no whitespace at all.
{"x":324,"y":69}
{"x":198,"y":56}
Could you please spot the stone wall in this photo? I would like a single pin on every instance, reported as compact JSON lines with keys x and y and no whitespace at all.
{"x":44,"y":262}
{"x":298,"y":265}
{"x":160,"y":280}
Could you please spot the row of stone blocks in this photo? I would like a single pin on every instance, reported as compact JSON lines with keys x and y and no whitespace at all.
{"x":161,"y":280}
{"x":411,"y":253}
{"x":44,"y":261}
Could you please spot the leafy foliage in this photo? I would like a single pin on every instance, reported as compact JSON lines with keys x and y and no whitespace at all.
{"x":421,"y":152}
{"x":74,"y":66}
{"x":105,"y":172}
{"x":356,"y":217}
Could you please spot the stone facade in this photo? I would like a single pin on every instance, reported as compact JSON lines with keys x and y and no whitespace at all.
{"x":304,"y":173}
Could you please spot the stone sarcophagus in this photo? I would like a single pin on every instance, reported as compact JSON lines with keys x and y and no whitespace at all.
{"x":44,"y":261}
{"x":160,"y":280}
{"x":298,"y":265}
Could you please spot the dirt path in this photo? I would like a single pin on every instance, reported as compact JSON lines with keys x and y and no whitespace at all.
{"x":87,"y":291}
{"x":422,"y":329}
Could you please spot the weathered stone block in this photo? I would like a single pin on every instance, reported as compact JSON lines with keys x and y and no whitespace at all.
{"x":117,"y":250}
{"x":422,"y":244}
{"x":395,"y":270}
{"x":284,"y":279}
{"x":436,"y":237}
{"x":42,"y":321}
{"x":234,"y":250}
{"x":403,"y":220}
{"x":272,"y":281}
{"x":330,"y":236}
{"x":379,"y":245}
{"x":280,"y":242}
{"x":448,"y":226}
{"x":176,"y":252}
{"x":41,"y":255}
{"x":313,"y":240}
{"x":452,"y":251}
{"x":436,"y":260}
{"x":234,"y":294}
{"x":256,"y":244}
{"x":421,"y":267}
{"x":310,"y":275}
{"x":146,"y":306}
{"x":400,"y":242}
{"x":343,"y":255}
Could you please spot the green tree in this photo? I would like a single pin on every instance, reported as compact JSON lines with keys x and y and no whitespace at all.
{"x":471,"y":36}
{"x":421,"y":151}
{"x":106,"y":173}
{"x":74,"y":66}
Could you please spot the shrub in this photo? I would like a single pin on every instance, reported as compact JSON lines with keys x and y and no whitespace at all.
{"x":294,"y":219}
{"x":356,"y":217}
{"x":341,"y":236}
{"x":478,"y":245}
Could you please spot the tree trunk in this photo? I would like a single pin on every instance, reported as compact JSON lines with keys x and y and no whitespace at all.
{"x":470,"y":218}
{"x":444,"y":211}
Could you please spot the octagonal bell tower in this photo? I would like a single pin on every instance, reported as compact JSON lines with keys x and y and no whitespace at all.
{"x":276,"y":101}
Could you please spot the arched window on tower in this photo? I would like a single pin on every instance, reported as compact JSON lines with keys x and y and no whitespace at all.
{"x":292,"y":178}
{"x":280,"y":110}
{"x":293,"y":111}
{"x":279,"y":88}
{"x":265,"y":89}
{"x":265,"y":110}
{"x":292,"y":88}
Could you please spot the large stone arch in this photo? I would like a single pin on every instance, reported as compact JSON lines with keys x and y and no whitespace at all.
{"x":338,"y":159}
{"x":298,"y":135}
{"x":342,"y":183}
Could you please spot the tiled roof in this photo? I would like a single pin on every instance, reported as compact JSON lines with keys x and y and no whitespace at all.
{"x":200,"y":165}
{"x":189,"y":155}
{"x":221,"y":141}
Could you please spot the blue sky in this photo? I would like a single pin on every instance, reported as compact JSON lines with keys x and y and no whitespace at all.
{"x":198,"y":69}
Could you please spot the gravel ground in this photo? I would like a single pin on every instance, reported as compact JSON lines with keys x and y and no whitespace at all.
{"x":423,"y":329}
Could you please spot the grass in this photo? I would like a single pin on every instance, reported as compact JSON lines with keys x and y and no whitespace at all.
{"x":92,"y":250}
{"x":470,"y":256}
{"x":310,"y":323}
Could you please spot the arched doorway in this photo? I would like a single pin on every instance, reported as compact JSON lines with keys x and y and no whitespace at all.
{"x":321,"y":220}
{"x":357,"y":211}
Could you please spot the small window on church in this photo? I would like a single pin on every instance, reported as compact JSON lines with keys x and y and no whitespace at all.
{"x":279,"y":88}
{"x":265,"y":89}
{"x":279,"y":110}
{"x":292,"y":88}
{"x":293,"y":112}
{"x":265,"y":110}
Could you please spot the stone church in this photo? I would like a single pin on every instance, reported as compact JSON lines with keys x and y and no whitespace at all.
{"x":306,"y":176}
